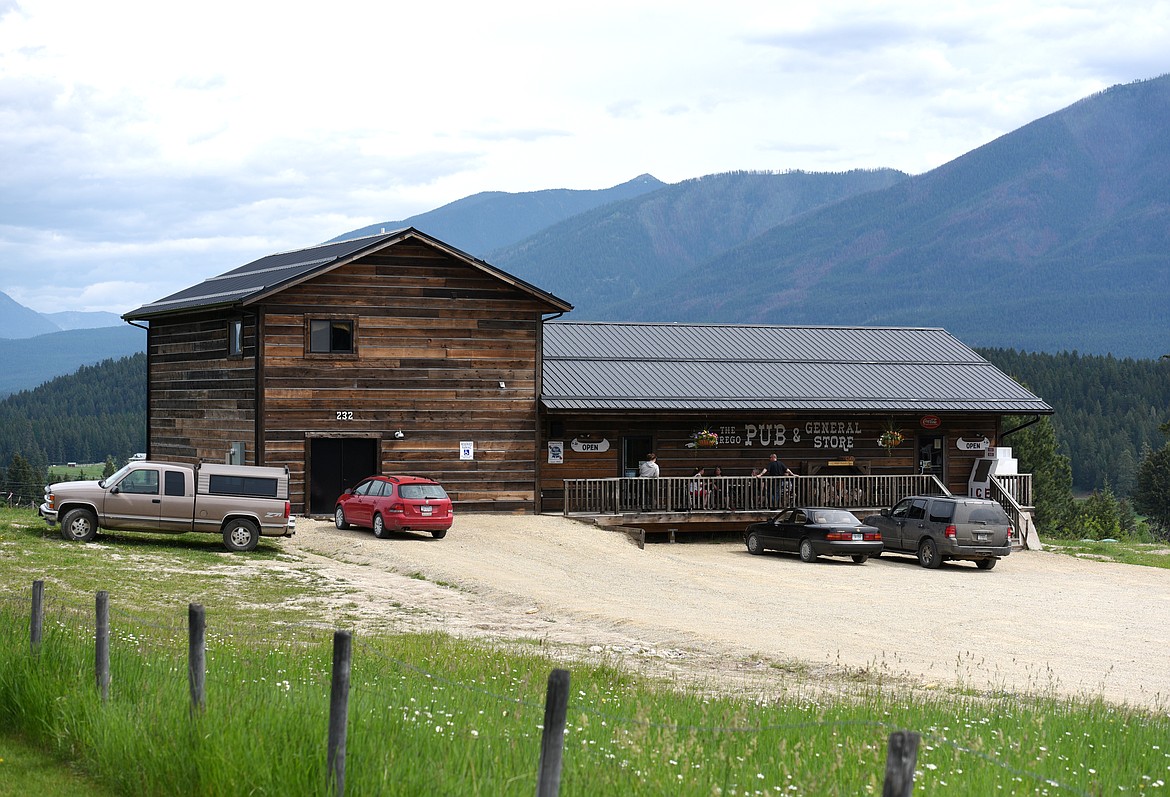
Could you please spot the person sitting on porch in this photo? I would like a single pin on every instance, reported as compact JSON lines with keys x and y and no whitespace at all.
{"x":720,"y":494}
{"x":699,"y":490}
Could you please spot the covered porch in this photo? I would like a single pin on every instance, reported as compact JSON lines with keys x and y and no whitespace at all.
{"x":704,"y":503}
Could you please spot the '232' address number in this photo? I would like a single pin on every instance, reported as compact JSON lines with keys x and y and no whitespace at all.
{"x":345,"y":415}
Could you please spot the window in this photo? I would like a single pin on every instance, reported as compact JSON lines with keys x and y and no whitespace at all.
{"x":422,"y":491}
{"x":255,"y":486}
{"x":235,"y":338}
{"x":917,"y":509}
{"x":330,"y":336}
{"x":174,"y":483}
{"x":941,"y":511}
{"x":140,"y":482}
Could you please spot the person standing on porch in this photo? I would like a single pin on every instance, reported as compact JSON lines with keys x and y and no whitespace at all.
{"x":648,"y":469}
{"x":775,"y":468}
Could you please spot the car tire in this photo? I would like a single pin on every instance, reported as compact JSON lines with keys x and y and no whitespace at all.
{"x":753,"y":544}
{"x":79,"y":525}
{"x":860,"y":558}
{"x":339,"y":519}
{"x":985,"y":564}
{"x":241,"y":535}
{"x":439,"y":534}
{"x":380,"y":527}
{"x":928,"y":555}
{"x":807,"y":554}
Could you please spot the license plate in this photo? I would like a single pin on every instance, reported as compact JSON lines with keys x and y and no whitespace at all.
{"x":426,"y":510}
{"x":982,"y":537}
{"x":858,"y":536}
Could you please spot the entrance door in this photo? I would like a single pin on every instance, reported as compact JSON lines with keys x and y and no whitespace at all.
{"x":634,"y":451}
{"x":931,"y":455}
{"x":335,"y":464}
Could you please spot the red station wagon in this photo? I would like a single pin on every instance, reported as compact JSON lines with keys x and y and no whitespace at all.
{"x":396,"y":503}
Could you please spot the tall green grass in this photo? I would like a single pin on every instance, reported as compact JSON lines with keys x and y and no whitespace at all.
{"x":429,"y":714}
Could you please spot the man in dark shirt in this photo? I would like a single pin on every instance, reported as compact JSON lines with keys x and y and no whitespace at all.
{"x":776,"y":468}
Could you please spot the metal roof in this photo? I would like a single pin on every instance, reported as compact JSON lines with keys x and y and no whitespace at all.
{"x":261,"y":278}
{"x":606,"y":366}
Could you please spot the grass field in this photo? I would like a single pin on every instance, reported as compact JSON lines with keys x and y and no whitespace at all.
{"x":433,"y":714}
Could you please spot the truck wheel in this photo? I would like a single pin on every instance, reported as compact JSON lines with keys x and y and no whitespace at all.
{"x":79,"y":525}
{"x":985,"y":564}
{"x":241,"y":535}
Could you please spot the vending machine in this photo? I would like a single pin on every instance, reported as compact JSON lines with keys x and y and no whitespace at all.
{"x":998,"y":462}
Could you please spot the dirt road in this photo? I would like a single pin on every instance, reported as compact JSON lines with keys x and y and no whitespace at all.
{"x":714,"y":612}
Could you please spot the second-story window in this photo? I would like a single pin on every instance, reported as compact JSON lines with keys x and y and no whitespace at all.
{"x":235,"y":337}
{"x":330,"y":336}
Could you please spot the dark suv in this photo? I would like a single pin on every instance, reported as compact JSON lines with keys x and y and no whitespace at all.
{"x":937,"y":528}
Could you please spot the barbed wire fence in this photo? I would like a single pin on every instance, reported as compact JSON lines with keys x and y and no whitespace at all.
{"x":901,"y":749}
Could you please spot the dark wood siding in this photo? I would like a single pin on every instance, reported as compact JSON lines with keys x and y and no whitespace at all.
{"x":201,"y":400}
{"x":433,"y":339}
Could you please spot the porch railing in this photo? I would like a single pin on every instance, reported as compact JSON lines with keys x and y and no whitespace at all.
{"x":1014,"y":494}
{"x":741,"y":493}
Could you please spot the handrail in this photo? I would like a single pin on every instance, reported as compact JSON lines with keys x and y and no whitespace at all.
{"x":1020,"y":514}
{"x":689,"y":494}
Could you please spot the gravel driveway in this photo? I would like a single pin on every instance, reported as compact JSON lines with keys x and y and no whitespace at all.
{"x":713,"y":612}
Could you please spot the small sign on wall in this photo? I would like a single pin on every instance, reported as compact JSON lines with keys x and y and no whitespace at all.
{"x":972,"y":445}
{"x":556,"y":452}
{"x":467,"y":450}
{"x":595,"y":446}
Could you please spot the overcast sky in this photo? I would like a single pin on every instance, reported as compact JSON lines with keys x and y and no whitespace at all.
{"x":146,"y":145}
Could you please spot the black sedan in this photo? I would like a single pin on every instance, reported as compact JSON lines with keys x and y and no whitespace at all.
{"x":814,"y":531}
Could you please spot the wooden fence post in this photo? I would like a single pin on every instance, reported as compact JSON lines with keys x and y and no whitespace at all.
{"x":339,"y":709}
{"x":101,"y":646}
{"x":901,"y":758}
{"x":196,"y":655}
{"x":37,"y":622}
{"x":552,"y":740}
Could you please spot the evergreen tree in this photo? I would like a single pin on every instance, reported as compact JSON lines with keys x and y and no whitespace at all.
{"x":24,"y":483}
{"x":1035,"y":447}
{"x":1098,"y":516}
{"x":1151,"y":496}
{"x":110,"y":469}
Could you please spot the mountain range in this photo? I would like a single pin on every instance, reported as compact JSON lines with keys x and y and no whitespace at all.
{"x":1054,"y":237}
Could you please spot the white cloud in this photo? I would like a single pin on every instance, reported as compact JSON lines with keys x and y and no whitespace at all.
{"x":149,"y":145}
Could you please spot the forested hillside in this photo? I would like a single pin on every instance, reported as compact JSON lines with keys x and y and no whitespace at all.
{"x":1107,"y":409}
{"x":482,"y":222}
{"x":28,"y":362}
{"x":627,"y":250}
{"x":97,"y":412}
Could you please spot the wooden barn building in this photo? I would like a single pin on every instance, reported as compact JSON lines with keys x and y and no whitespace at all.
{"x":397,"y":353}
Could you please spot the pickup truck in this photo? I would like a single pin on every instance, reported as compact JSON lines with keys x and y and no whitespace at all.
{"x":240,"y":502}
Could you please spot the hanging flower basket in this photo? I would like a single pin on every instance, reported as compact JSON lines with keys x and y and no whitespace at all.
{"x":704,"y":439}
{"x":890,"y":439}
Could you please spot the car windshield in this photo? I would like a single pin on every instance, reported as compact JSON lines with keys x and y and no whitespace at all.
{"x":422,"y":491}
{"x":116,"y":477}
{"x":838,"y":517}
